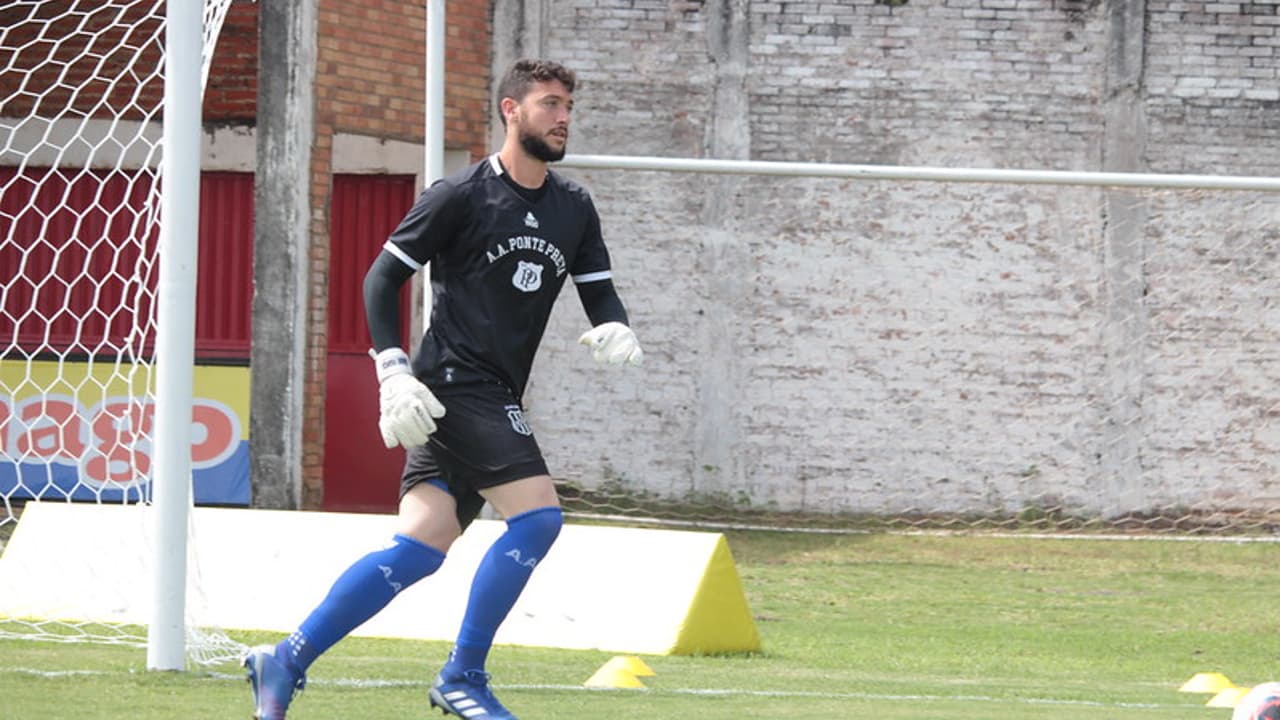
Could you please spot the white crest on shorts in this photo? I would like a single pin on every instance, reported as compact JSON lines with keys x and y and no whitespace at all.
{"x":516,"y":417}
{"x":528,"y":276}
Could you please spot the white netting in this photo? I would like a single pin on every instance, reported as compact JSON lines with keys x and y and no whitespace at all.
{"x":838,"y":353}
{"x":81,"y":89}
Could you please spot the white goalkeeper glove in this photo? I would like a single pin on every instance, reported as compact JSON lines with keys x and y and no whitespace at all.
{"x":613,"y":343}
{"x":408,"y":409}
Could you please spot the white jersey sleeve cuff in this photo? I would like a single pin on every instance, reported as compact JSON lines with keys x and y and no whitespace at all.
{"x":395,"y":250}
{"x":592,"y":276}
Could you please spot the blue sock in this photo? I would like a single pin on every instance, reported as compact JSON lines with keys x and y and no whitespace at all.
{"x":499,"y":580}
{"x":358,"y":594}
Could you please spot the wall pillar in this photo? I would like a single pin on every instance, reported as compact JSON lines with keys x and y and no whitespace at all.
{"x":725,"y":265}
{"x":1124,"y":284}
{"x":282,"y":225}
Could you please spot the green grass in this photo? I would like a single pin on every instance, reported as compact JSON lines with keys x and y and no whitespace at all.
{"x":862,"y":626}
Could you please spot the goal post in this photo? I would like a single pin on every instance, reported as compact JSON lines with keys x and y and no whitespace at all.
{"x":926,"y":174}
{"x":175,"y":333}
{"x":100,"y":153}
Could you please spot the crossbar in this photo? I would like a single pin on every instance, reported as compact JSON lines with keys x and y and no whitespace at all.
{"x":934,"y":174}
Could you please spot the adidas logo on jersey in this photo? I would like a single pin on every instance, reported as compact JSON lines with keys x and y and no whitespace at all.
{"x":530,"y":220}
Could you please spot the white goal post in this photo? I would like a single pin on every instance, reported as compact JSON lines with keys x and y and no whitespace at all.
{"x":175,"y":333}
{"x":931,"y":174}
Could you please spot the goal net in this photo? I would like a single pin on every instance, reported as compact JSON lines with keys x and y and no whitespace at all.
{"x":81,"y":113}
{"x":852,"y":353}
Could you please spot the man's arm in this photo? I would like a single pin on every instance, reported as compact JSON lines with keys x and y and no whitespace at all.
{"x":610,"y":339}
{"x":382,"y":299}
{"x":408,"y":408}
{"x":601,"y":301}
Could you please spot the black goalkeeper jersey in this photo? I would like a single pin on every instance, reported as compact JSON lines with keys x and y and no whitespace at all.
{"x":499,"y":258}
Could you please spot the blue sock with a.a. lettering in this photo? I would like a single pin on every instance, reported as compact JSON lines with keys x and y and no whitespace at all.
{"x":499,"y":580}
{"x":358,"y":594}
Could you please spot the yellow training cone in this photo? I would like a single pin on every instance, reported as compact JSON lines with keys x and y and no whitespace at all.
{"x":1228,"y":698}
{"x":621,"y":671}
{"x":606,"y":678}
{"x":630,"y":664}
{"x":1206,"y":682}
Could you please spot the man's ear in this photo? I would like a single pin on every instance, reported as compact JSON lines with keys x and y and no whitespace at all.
{"x":508,"y":106}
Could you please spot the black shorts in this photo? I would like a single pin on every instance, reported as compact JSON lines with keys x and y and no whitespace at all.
{"x":481,"y":442}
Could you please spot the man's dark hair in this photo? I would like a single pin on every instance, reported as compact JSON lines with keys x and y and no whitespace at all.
{"x":524,"y":73}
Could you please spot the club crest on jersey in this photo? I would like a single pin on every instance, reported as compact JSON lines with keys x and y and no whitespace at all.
{"x":528,"y":276}
{"x":530,"y":220}
{"x":516,"y":416}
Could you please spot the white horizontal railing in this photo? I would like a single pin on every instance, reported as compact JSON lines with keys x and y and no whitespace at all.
{"x":936,"y":174}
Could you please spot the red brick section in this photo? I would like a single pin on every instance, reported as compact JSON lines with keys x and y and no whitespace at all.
{"x":370,"y":74}
{"x":56,"y":53}
{"x":469,"y":35}
{"x":64,"y":45}
{"x":371,"y":70}
{"x":231,"y":93}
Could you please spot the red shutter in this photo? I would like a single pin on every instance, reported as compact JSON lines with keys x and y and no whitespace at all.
{"x":224,"y":300}
{"x":76,"y":281}
{"x":365,"y":209}
{"x":72,"y":274}
{"x":360,"y":475}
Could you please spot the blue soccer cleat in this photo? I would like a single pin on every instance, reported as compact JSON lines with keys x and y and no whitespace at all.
{"x":273,"y":681}
{"x":468,"y":697}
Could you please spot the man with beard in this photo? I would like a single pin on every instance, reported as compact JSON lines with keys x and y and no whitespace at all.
{"x":501,"y":237}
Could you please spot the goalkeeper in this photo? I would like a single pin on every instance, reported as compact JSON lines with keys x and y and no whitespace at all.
{"x":501,"y":238}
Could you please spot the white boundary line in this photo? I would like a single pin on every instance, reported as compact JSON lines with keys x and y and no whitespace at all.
{"x":737,"y":692}
{"x":1241,"y":540}
{"x":700,"y":692}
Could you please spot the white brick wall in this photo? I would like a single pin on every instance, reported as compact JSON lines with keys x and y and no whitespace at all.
{"x":864,"y":347}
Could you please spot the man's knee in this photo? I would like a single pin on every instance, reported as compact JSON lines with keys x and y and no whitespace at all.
{"x":428,"y":514}
{"x":536,"y":530}
{"x":521,"y":496}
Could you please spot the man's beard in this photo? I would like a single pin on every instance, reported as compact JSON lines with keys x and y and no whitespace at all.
{"x":539,"y":149}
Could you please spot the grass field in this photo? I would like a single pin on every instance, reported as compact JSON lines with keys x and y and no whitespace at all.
{"x":856,"y":626}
